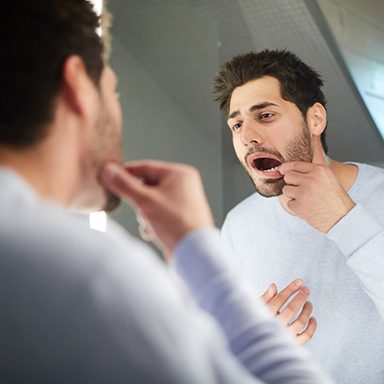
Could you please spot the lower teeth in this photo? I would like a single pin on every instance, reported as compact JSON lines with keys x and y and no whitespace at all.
{"x":271,"y":169}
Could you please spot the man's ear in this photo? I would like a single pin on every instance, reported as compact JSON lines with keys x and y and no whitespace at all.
{"x":316,"y":119}
{"x":78,"y":90}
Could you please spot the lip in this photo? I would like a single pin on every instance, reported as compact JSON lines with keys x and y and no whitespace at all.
{"x":266,"y":174}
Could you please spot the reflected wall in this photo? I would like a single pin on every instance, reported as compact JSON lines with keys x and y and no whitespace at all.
{"x":166,"y":54}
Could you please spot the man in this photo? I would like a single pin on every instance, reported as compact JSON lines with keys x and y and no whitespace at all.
{"x":81,"y":307}
{"x":311,"y":217}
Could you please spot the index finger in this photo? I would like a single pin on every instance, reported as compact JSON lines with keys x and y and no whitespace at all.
{"x":297,"y":166}
{"x":116,"y":179}
{"x":283,"y":296}
{"x":149,"y":171}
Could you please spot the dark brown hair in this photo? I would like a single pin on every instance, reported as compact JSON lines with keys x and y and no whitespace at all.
{"x":299,"y":83}
{"x":37,"y":36}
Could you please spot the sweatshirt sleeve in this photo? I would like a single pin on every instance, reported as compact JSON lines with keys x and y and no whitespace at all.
{"x":258,"y":341}
{"x":361,"y":239}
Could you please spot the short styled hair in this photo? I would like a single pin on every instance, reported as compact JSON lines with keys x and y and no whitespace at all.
{"x":37,"y":36}
{"x":299,"y":83}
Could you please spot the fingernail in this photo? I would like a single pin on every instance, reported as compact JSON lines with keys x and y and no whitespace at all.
{"x":299,"y":282}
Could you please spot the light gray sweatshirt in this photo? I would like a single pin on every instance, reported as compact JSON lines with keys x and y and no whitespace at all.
{"x":344,"y":269}
{"x":79,"y":306}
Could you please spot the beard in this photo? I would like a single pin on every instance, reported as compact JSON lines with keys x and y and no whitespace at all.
{"x":105,"y":145}
{"x":112,"y":202}
{"x":298,"y":149}
{"x":110,"y":150}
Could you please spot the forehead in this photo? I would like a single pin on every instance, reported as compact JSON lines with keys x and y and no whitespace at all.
{"x":257,"y":91}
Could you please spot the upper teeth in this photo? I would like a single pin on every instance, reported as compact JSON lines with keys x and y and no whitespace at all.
{"x":272,"y":169}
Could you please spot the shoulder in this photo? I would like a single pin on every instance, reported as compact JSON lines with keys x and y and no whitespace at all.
{"x":368,"y":188}
{"x":43,"y":233}
{"x":54,"y":256}
{"x":368,"y":169}
{"x":370,"y":179}
{"x":81,"y":290}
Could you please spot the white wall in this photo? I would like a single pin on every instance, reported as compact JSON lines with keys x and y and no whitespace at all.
{"x":358,"y":29}
{"x":156,"y":127}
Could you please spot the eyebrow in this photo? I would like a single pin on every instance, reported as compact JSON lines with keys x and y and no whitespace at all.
{"x":254,"y":107}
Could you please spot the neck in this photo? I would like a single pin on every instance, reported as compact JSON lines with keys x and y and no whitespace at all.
{"x":345,"y":173}
{"x":46,"y":167}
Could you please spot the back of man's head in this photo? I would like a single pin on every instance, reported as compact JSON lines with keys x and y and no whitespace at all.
{"x":37,"y":37}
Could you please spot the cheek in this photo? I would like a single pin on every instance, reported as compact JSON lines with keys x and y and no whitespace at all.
{"x":286,"y":134}
{"x":237,"y":146}
{"x":118,"y":114}
{"x":115,"y":112}
{"x":240,"y":152}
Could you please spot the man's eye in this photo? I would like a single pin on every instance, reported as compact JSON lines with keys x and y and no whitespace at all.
{"x":267,"y":116}
{"x":236,"y":126}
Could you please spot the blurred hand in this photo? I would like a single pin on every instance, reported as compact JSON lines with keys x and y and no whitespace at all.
{"x":168,"y":198}
{"x":297,"y":314}
{"x":313,"y":193}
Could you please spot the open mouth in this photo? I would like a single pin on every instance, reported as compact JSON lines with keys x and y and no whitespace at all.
{"x":266,"y":164}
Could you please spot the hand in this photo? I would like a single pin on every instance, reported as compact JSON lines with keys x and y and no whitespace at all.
{"x":169,"y":198}
{"x":313,"y":193}
{"x":302,"y":326}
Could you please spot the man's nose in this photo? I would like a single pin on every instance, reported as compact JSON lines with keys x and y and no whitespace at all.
{"x":250,"y":133}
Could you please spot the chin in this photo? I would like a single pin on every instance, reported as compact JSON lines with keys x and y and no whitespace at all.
{"x":111,"y":202}
{"x":105,"y":201}
{"x":96,"y":199}
{"x":269,"y":187}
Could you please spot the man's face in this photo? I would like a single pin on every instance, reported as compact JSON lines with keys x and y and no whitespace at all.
{"x":267,"y":131}
{"x":101,"y":144}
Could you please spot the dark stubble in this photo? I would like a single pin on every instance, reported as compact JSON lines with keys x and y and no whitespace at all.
{"x":298,"y":149}
{"x":107,"y":143}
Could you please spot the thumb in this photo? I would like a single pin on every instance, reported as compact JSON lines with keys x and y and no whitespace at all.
{"x":116,"y":179}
